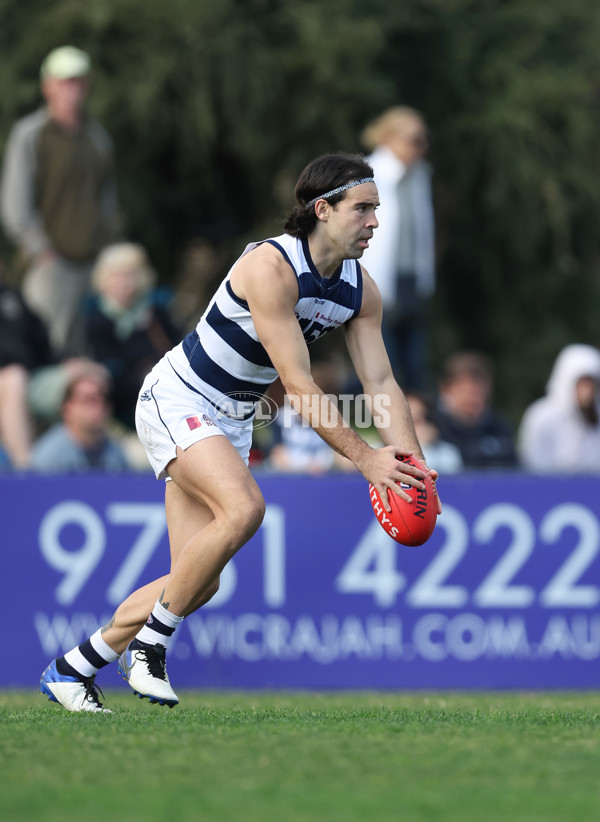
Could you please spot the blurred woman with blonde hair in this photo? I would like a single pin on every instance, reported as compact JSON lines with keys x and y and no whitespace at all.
{"x":128,"y":328}
{"x":402,"y":257}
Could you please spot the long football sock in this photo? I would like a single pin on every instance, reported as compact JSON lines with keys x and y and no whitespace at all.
{"x":88,"y":658}
{"x":159,"y":628}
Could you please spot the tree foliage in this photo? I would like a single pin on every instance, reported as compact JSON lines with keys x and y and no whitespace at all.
{"x":215,"y":107}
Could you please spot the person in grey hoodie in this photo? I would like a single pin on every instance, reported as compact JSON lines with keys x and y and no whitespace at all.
{"x":560,"y":433}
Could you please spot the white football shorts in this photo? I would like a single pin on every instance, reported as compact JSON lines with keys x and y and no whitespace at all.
{"x":168,"y":414}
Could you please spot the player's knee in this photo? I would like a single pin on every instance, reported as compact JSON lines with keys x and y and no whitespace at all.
{"x":246,"y":517}
{"x":251,"y":513}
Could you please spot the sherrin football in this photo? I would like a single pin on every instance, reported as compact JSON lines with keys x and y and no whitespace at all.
{"x":409,"y":523}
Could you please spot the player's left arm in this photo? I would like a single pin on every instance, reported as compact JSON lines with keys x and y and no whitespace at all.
{"x":388,"y":405}
{"x":389,"y":408}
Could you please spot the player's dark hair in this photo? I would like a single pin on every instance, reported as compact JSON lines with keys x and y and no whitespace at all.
{"x":320,"y":176}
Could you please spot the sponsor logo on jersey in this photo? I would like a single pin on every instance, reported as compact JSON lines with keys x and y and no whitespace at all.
{"x":325,"y":319}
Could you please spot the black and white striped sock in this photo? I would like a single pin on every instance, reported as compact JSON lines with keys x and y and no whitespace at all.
{"x":86,"y":659}
{"x":159,"y":628}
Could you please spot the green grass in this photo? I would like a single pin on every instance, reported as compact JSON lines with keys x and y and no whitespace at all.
{"x":257,"y":757}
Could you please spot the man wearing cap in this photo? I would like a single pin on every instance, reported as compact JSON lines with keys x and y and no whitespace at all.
{"x":58,"y":197}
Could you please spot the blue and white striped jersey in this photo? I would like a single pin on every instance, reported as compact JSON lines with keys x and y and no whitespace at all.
{"x":223,"y":359}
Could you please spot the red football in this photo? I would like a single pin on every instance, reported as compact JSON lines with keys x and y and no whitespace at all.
{"x":409,"y":523}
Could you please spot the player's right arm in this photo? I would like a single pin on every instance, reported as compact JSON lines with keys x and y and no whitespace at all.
{"x":265,"y":281}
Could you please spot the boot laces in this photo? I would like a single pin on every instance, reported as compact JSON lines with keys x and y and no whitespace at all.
{"x":155,"y":657}
{"x":91,"y":691}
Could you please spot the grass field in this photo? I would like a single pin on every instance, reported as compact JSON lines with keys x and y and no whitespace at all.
{"x":289,"y":757}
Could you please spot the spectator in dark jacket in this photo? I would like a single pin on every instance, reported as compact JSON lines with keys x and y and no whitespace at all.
{"x":127,"y":328}
{"x":465,"y":417}
{"x":24,"y":347}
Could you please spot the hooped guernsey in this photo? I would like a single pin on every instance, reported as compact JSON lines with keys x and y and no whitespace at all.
{"x":222,"y":358}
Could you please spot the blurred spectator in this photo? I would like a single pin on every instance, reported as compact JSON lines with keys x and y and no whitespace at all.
{"x":439,"y":454}
{"x":401,"y":256}
{"x":127,"y":329}
{"x":561,"y":431}
{"x":465,"y":417}
{"x":58,"y":197}
{"x":81,"y":442}
{"x":24,"y":347}
{"x":15,"y":423}
{"x":47,"y":386}
{"x":295,"y":447}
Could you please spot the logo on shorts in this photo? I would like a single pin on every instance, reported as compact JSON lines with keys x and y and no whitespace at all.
{"x":145,"y":397}
{"x":193,"y":422}
{"x":247,"y":405}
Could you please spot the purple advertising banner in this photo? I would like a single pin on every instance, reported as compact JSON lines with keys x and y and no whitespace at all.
{"x":505,"y":594}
